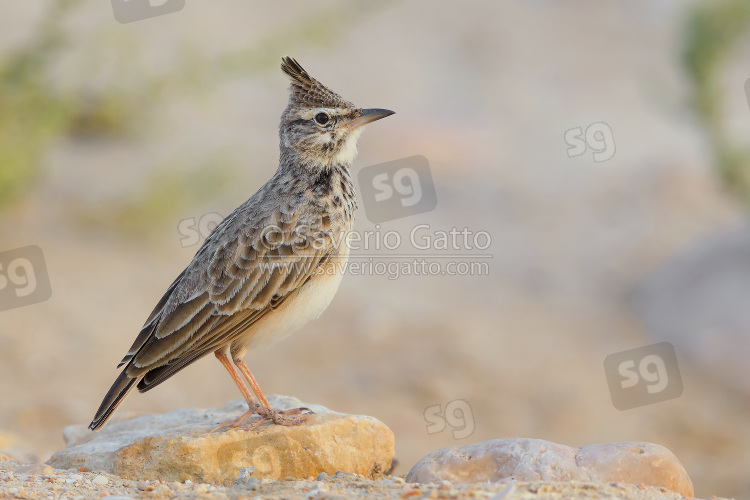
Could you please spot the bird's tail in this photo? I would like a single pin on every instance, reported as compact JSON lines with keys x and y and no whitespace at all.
{"x":117,"y":393}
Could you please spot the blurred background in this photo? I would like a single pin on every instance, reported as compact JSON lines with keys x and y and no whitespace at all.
{"x":118,"y":140}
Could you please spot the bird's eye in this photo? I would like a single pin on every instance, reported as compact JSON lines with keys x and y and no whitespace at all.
{"x":321,"y":118}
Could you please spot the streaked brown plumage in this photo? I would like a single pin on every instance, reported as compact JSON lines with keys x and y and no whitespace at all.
{"x":270,"y":266}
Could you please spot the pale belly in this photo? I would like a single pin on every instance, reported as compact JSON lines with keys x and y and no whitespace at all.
{"x":305,"y":305}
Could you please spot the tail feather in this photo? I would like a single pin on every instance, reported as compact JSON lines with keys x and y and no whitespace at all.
{"x":116,"y":394}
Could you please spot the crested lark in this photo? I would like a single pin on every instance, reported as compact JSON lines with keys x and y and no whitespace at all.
{"x":270,"y":267}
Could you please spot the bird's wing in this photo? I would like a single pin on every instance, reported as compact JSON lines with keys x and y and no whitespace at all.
{"x":239,"y":282}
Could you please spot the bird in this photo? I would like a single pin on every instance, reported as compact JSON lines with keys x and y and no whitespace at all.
{"x":268,"y":268}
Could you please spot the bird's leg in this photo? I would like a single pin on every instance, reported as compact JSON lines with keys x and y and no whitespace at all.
{"x":253,"y":407}
{"x":295,"y":416}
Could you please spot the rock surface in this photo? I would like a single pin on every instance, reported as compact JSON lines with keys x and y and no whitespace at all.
{"x":536,"y":459}
{"x":184,"y":445}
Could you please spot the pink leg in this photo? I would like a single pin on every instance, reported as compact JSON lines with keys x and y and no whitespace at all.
{"x":253,"y":407}
{"x":285,"y":417}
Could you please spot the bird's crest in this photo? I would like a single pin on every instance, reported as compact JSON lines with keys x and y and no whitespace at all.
{"x":307,"y":91}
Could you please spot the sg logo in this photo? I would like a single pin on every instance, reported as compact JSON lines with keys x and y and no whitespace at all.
{"x":23,"y":278}
{"x":268,"y":456}
{"x":457,"y":414}
{"x":598,"y":137}
{"x":128,"y":11}
{"x":643,"y":376}
{"x":193,"y":232}
{"x":397,"y":189}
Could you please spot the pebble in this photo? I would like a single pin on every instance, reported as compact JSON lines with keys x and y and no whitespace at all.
{"x":251,"y":483}
{"x":247,"y":471}
{"x":500,"y":495}
{"x":341,"y":474}
{"x":245,"y":478}
{"x":321,"y":476}
{"x":144,"y":486}
{"x":100,"y":481}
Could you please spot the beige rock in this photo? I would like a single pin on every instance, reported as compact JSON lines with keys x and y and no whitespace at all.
{"x":35,"y":469}
{"x":536,"y":459}
{"x":180,"y":445}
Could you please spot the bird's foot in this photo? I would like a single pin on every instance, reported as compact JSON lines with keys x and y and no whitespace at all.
{"x":237,"y":422}
{"x":295,"y":416}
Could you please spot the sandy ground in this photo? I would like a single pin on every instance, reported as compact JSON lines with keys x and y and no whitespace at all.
{"x":62,"y":484}
{"x":485,"y":93}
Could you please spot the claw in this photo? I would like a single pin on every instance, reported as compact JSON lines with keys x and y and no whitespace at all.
{"x":280,"y":417}
{"x":237,"y":422}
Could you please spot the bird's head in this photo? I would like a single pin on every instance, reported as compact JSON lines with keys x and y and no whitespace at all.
{"x":318,"y":126}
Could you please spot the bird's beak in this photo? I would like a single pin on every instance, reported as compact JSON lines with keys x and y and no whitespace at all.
{"x":369,"y":116}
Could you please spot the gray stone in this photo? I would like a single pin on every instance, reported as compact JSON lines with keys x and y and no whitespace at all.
{"x":538,"y":460}
{"x":245,"y":478}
